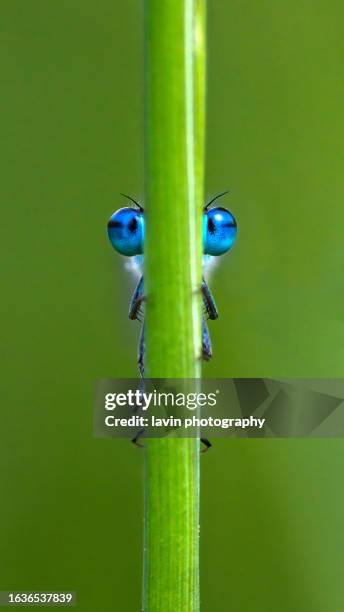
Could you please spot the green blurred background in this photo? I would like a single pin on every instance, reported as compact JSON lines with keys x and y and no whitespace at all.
{"x":71,"y":140}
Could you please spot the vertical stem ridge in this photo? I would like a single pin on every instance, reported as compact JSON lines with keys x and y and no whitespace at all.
{"x":174,"y":170}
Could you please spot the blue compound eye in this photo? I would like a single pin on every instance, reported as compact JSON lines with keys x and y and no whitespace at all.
{"x":219,"y":231}
{"x":126,"y":230}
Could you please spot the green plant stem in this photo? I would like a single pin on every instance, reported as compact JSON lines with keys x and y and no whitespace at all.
{"x":174,"y":170}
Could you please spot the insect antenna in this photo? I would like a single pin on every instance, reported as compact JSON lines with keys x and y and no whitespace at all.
{"x":133,"y":201}
{"x":219,"y":195}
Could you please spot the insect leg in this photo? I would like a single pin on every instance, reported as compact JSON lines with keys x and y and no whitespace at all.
{"x":208,"y":301}
{"x":206,"y":342}
{"x":206,"y":354}
{"x":136,"y":300}
{"x":134,"y":310}
{"x":141,"y":352}
{"x":140,"y":362}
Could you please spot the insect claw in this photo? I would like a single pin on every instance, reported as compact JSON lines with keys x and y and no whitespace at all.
{"x":207,"y":445}
{"x":136,"y":438}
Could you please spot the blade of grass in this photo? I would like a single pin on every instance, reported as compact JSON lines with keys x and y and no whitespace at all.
{"x":174,"y":169}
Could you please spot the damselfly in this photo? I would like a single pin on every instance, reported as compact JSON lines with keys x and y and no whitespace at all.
{"x":126,"y":230}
